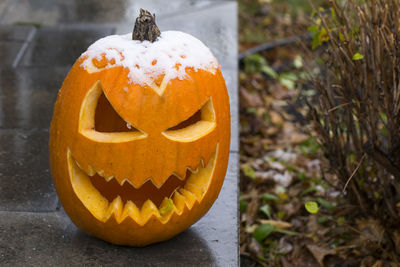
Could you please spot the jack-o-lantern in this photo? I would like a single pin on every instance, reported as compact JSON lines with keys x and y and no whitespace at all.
{"x":139,"y":141}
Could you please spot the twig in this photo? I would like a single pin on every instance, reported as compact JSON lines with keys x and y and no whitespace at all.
{"x":354,"y":172}
{"x":339,"y":106}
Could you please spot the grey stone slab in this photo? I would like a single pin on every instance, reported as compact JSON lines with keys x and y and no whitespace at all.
{"x":216,"y":26}
{"x":25,"y":182}
{"x":231,"y":80}
{"x":4,"y":4}
{"x":42,"y":12}
{"x":61,"y":45}
{"x":162,"y":10}
{"x":15,"y":33}
{"x":34,"y":239}
{"x":52,"y":12}
{"x":9,"y":51}
{"x":126,"y":11}
{"x":50,"y":239}
{"x":27,"y":96}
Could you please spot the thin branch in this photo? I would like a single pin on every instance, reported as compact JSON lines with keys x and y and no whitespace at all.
{"x":339,"y":106}
{"x":354,"y":172}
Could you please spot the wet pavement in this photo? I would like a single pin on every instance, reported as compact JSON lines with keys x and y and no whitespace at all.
{"x":39,"y":41}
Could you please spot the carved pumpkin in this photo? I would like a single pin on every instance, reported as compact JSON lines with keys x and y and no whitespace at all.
{"x":139,"y":141}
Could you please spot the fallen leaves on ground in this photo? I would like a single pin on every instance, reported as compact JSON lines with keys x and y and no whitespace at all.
{"x":282,"y":166}
{"x":282,"y":169}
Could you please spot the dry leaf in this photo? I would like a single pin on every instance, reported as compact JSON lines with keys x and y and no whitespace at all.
{"x":297,"y":138}
{"x":253,"y":206}
{"x":284,"y":245}
{"x":320,"y":252}
{"x":251,"y":100}
{"x":275,"y":117}
{"x":372,"y":229}
{"x":255,"y":248}
{"x":378,"y":264}
{"x":277,"y":224}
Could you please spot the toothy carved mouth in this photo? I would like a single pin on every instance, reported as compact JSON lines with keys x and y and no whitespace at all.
{"x":105,"y":197}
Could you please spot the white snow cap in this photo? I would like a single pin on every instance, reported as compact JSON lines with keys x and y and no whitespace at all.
{"x":146,"y":61}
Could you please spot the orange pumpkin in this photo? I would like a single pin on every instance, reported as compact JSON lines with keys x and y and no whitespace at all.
{"x":139,"y":152}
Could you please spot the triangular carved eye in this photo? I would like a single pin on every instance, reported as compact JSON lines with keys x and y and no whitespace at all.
{"x":99,"y":121}
{"x":201,"y":123}
{"x":106,"y":119}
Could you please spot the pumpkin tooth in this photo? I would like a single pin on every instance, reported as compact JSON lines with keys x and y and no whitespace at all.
{"x":79,"y":165}
{"x":101,"y":173}
{"x":202,"y":163}
{"x":109,"y":178}
{"x":201,"y":178}
{"x":194,"y":189}
{"x":190,"y":198}
{"x":180,"y":177}
{"x":179,"y":202}
{"x":149,"y":209}
{"x":193,"y":170}
{"x":115,"y":208}
{"x":121,"y":183}
{"x":153,"y":182}
{"x":86,"y":192}
{"x":131,"y":210}
{"x":91,"y":171}
{"x":126,"y":180}
{"x":207,"y":160}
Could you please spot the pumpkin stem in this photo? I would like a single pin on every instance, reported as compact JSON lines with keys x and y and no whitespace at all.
{"x":145,"y":27}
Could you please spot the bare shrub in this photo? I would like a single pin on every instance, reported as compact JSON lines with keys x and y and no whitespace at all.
{"x":357,"y":111}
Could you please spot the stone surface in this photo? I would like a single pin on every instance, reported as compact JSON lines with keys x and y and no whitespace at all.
{"x":61,"y":45}
{"x":231,"y":80}
{"x":50,"y":239}
{"x":213,"y":25}
{"x":33,"y":229}
{"x":27,"y":96}
{"x":4,"y":5}
{"x":15,"y":33}
{"x":9,"y":51}
{"x":13,"y":42}
{"x":53,"y":12}
{"x":25,"y":182}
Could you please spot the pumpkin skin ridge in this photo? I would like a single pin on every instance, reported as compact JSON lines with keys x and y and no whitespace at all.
{"x":128,"y":232}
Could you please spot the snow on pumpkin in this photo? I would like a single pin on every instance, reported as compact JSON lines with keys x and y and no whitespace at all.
{"x":169,"y":55}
